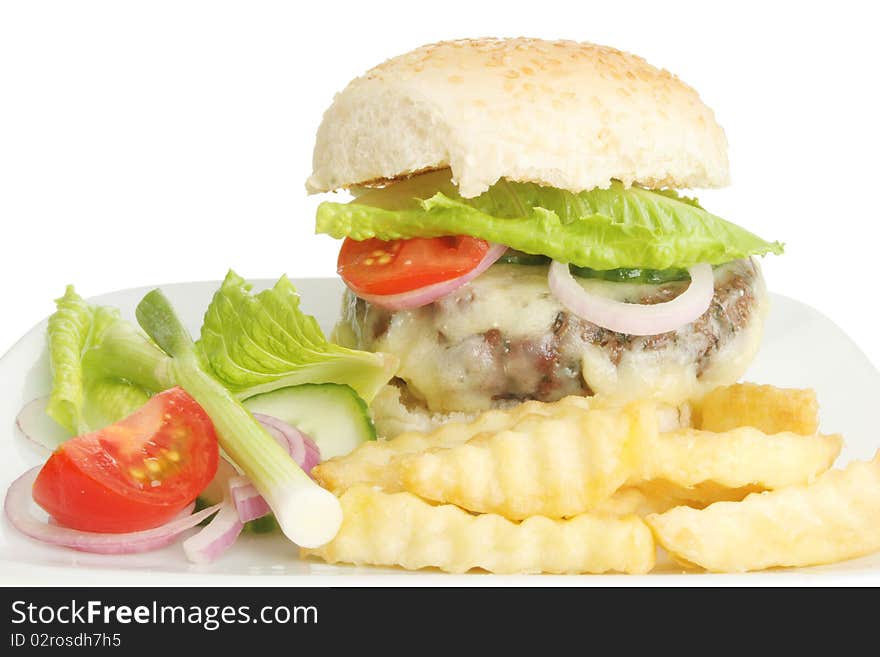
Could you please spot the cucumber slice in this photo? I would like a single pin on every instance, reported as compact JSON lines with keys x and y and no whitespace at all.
{"x":649,"y":276}
{"x":623,"y":275}
{"x":333,"y":415}
{"x":514,"y":257}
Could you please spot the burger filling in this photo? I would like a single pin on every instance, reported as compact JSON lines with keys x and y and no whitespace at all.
{"x":531,"y":292}
{"x":504,"y":337}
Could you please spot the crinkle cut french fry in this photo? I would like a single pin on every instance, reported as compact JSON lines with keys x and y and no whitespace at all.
{"x":369,"y":463}
{"x":662,"y":495}
{"x":768,"y":408}
{"x":544,"y":466}
{"x":569,"y":464}
{"x":388,"y":529}
{"x":638,"y":500}
{"x":736,"y":458}
{"x":836,"y":517}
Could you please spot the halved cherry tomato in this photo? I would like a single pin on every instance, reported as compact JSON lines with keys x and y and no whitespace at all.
{"x":376,"y":267}
{"x":136,"y":474}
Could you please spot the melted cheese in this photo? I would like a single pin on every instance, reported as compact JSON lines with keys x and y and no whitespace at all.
{"x":449,"y":366}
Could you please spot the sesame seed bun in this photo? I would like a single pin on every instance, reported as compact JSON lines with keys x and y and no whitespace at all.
{"x":559,"y":113}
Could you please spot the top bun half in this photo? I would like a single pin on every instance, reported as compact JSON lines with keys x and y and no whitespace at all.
{"x":559,"y":113}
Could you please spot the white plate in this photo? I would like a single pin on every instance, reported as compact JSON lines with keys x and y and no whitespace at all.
{"x":801,"y":348}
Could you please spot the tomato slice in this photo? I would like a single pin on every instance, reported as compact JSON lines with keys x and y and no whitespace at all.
{"x":136,"y":474}
{"x":376,"y":267}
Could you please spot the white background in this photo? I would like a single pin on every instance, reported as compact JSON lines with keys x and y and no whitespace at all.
{"x":151,"y":142}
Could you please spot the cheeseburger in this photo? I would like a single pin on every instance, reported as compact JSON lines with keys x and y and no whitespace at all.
{"x":516,"y":231}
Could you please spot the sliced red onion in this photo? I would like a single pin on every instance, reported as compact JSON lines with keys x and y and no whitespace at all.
{"x":301,"y":448}
{"x":634,"y":318}
{"x":242,"y":494}
{"x":35,"y":425}
{"x":18,"y":507}
{"x":216,"y":537}
{"x":248,"y":502}
{"x":425,"y":295}
{"x":241,"y":501}
{"x":215,"y":492}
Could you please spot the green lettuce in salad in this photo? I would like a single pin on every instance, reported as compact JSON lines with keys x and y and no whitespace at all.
{"x":255,"y":343}
{"x":103,"y":368}
{"x":600,"y":229}
{"x":90,"y":389}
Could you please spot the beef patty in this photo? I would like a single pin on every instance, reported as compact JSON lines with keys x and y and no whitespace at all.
{"x":505,"y":337}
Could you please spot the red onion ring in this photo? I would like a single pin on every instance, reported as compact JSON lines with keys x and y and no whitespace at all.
{"x":248,"y":502}
{"x":34,"y":424}
{"x":634,"y":318}
{"x":301,"y":448}
{"x":430,"y":293}
{"x":215,"y":491}
{"x":18,"y":504}
{"x":216,"y":537}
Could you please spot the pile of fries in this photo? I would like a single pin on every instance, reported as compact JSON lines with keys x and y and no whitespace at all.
{"x":737,"y":481}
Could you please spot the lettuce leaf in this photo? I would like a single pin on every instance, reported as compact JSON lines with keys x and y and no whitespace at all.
{"x":85,"y":395}
{"x":601,"y":229}
{"x":103,"y":368}
{"x":254,"y":343}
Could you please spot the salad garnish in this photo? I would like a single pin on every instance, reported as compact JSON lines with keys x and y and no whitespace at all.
{"x":147,"y":408}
